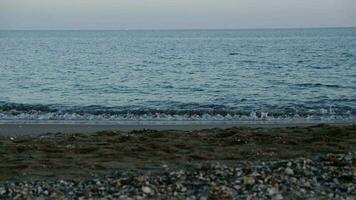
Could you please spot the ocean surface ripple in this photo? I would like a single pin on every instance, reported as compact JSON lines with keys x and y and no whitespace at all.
{"x":221,"y":75}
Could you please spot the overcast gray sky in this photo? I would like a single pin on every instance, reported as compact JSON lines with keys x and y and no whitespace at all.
{"x":171,"y":14}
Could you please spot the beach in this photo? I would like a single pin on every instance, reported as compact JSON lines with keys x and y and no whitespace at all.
{"x":69,"y":164}
{"x":178,"y":114}
{"x":19,"y":128}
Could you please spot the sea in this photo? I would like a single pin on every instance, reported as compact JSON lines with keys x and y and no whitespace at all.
{"x":250,"y":75}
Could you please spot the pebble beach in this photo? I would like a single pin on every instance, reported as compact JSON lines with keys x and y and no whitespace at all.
{"x":314,"y":162}
{"x":328,"y":177}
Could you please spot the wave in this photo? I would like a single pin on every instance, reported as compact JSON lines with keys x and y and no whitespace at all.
{"x":317,"y":85}
{"x":184,"y":112}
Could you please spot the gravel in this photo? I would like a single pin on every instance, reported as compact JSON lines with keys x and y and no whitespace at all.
{"x":330,"y":176}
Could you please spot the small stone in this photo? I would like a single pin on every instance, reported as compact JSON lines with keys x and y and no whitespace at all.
{"x":289,"y":171}
{"x":336,"y":181}
{"x":39,"y":189}
{"x":307,"y":184}
{"x":54,"y":195}
{"x":348,"y":157}
{"x":248,"y":180}
{"x":237,"y":187}
{"x":289,"y":164}
{"x":294,"y":180}
{"x":2,"y":191}
{"x":19,"y":197}
{"x":272,"y":191}
{"x":146,"y":190}
{"x":117,"y":183}
{"x":277,"y":197}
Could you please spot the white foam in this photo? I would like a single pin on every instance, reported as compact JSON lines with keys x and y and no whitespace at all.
{"x":253,"y":116}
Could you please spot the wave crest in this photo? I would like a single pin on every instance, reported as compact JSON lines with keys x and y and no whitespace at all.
{"x":191,"y":112}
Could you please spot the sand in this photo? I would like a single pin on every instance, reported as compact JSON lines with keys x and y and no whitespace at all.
{"x":67,"y":155}
{"x":20,"y":129}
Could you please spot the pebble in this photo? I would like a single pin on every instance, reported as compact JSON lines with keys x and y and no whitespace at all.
{"x":146,"y":190}
{"x":289,"y":171}
{"x":248,"y":180}
{"x":272,"y":191}
{"x":278,"y":197}
{"x":326,"y":176}
{"x":2,"y":191}
{"x":294,"y":180}
{"x":307,"y":184}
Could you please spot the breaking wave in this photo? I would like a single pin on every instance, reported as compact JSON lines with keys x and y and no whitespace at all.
{"x":187,"y":112}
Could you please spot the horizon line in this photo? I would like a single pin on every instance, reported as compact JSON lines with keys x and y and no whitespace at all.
{"x":182,"y":29}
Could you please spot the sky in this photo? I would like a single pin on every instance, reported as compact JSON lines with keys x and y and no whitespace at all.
{"x":175,"y":14}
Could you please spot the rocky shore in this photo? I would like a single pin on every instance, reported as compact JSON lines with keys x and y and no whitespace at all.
{"x":316,"y":162}
{"x":332,"y":176}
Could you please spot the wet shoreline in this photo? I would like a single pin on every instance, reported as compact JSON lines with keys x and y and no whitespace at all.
{"x":35,"y":128}
{"x":84,"y":165}
{"x":54,"y":154}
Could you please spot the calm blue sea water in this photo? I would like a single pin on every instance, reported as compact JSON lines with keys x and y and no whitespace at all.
{"x":296,"y":74}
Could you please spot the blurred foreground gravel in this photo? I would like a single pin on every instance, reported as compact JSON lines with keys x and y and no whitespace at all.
{"x":330,"y":176}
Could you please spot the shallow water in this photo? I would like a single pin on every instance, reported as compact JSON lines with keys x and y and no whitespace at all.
{"x":228,"y":75}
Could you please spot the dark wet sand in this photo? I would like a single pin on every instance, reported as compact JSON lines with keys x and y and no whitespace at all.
{"x":58,"y":155}
{"x":18,"y":129}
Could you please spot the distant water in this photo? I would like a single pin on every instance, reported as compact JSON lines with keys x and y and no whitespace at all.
{"x":229,"y":75}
